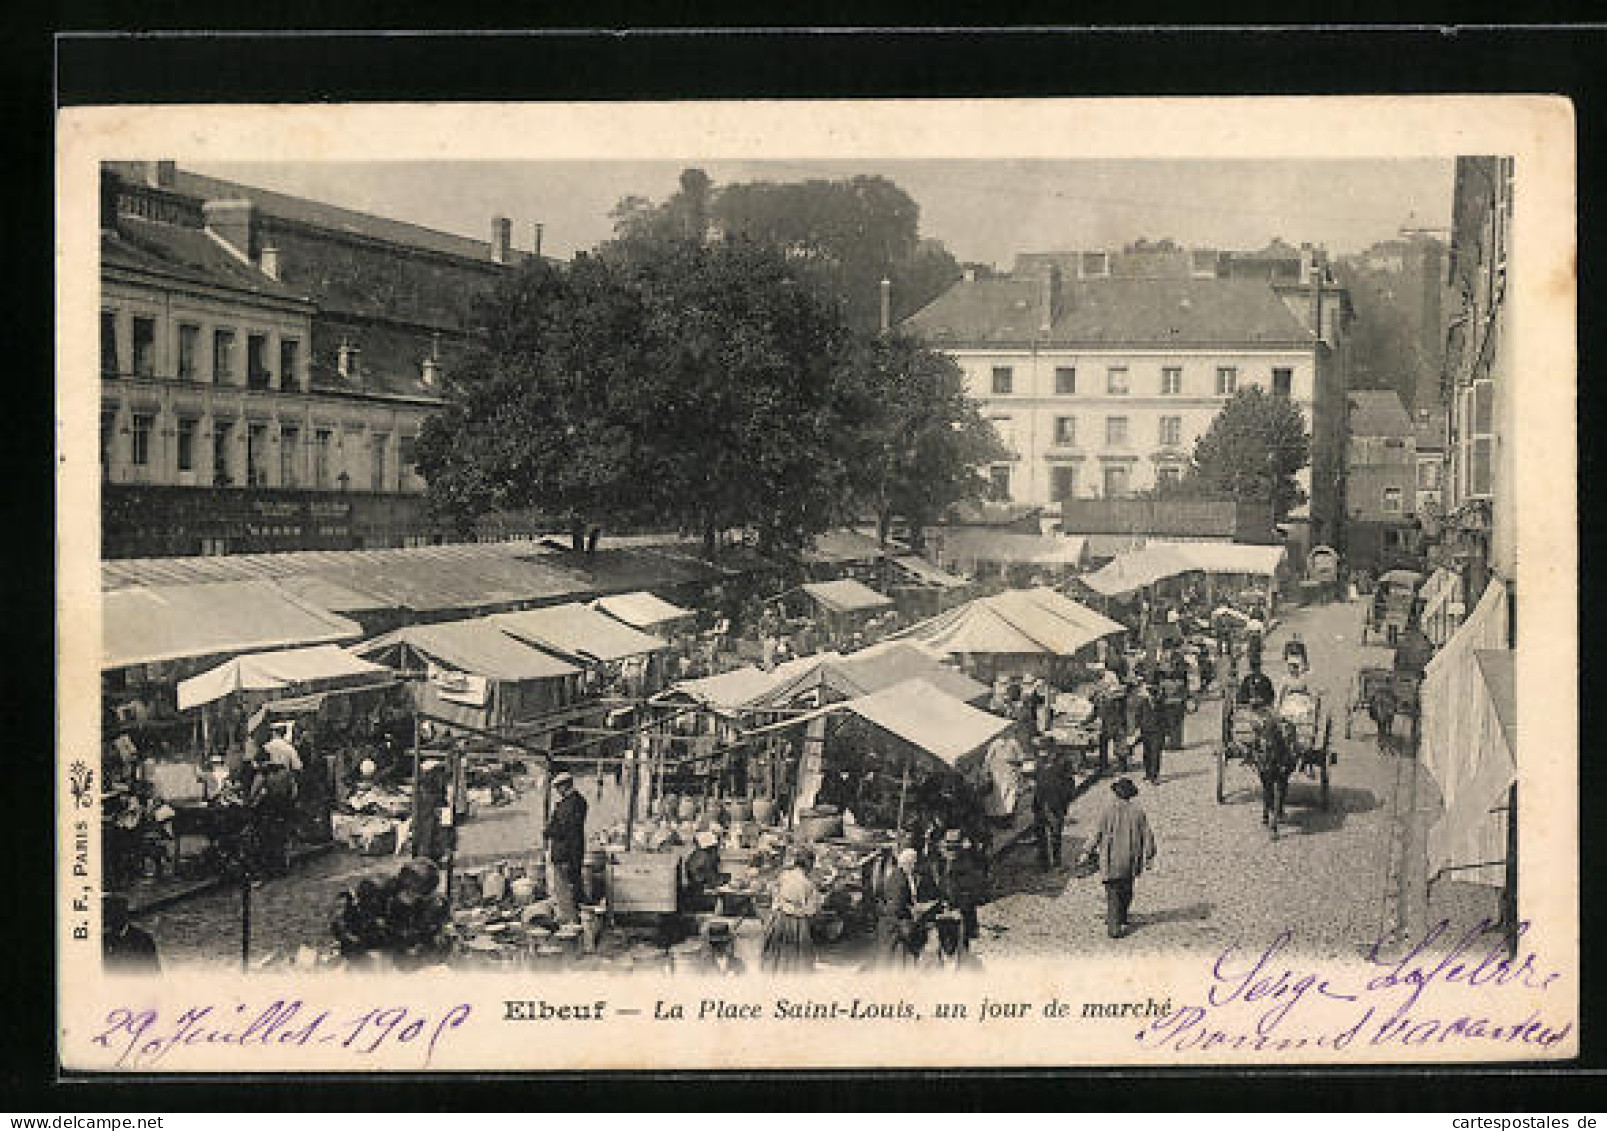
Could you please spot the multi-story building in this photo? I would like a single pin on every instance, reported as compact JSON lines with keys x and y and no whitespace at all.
{"x":1380,"y":482}
{"x":1477,"y":387}
{"x":1099,"y":382}
{"x":1428,"y":433}
{"x":267,"y":363}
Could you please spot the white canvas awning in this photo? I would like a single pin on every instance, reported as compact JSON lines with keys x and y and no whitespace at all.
{"x":642,"y":610}
{"x":305,"y":669}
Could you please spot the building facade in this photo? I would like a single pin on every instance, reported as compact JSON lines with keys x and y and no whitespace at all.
{"x":1428,"y":430}
{"x":267,"y":364}
{"x":1381,"y":476}
{"x":1100,"y":383}
{"x":1477,"y":390}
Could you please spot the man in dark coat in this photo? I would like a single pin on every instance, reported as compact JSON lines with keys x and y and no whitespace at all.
{"x":961,"y":882}
{"x":908,"y":901}
{"x":1050,"y":799}
{"x":1151,"y":730}
{"x":1111,"y":703}
{"x":1255,"y":689}
{"x":1174,"y":697}
{"x":566,"y":846}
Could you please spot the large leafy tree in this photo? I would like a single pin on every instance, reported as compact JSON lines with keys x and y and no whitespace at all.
{"x":845,"y":236}
{"x":687,"y":383}
{"x":1251,"y":452}
{"x":922,"y":440}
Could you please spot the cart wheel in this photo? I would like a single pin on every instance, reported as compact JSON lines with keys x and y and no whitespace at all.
{"x":1221,"y":772}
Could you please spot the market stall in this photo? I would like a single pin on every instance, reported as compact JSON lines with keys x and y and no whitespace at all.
{"x":844,"y":607}
{"x":1019,"y":632}
{"x":476,"y":674}
{"x":645,"y":612}
{"x":616,"y":656}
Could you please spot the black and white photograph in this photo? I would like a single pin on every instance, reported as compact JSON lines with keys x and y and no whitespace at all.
{"x":877,"y":588}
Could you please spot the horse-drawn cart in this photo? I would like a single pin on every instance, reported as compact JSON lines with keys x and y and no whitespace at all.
{"x":1277,"y":744}
{"x":1383,"y":694}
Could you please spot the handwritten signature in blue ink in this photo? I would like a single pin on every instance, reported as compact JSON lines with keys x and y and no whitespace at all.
{"x":143,"y":1038}
{"x":1272,"y":986}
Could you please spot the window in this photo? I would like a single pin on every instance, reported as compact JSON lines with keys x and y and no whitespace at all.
{"x":108,"y":436}
{"x":1115,"y":431}
{"x":1004,"y":429}
{"x":1171,"y":431}
{"x":1003,"y":380}
{"x":222,"y":356}
{"x":1066,"y":431}
{"x":999,"y":481}
{"x":289,"y":363}
{"x":189,"y":353}
{"x":322,"y":442}
{"x":1115,"y":481}
{"x":1282,"y":382}
{"x":1227,"y":381}
{"x":256,"y":454}
{"x":1116,"y":380}
{"x":1481,"y":439}
{"x":407,"y":455}
{"x":1168,"y":476}
{"x":1429,"y":475}
{"x":1172,"y":381}
{"x":1392,"y":500}
{"x":140,"y":452}
{"x":1063,"y":482}
{"x":381,"y":442}
{"x":222,"y":440}
{"x":144,"y":347}
{"x":289,"y":454}
{"x":1065,"y":381}
{"x":108,"y":344}
{"x":257,"y":375}
{"x":186,"y":436}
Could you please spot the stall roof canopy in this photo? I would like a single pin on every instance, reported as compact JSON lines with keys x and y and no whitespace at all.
{"x":276,"y":671}
{"x":867,"y":671}
{"x":574,"y":630}
{"x":641,"y":610}
{"x":846,"y":596}
{"x":476,"y":646}
{"x":923,"y":716}
{"x":979,"y":544}
{"x":926,"y":573}
{"x":430,"y":579}
{"x":1015,"y":622}
{"x":1137,"y":569}
{"x":842,"y":546}
{"x":728,"y":690}
{"x":155,"y":624}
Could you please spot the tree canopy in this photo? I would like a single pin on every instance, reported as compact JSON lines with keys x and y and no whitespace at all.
{"x":1251,"y":452}
{"x":845,"y":236}
{"x":699,"y":384}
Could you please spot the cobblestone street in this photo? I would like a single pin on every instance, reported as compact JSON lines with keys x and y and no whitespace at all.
{"x":1339,"y":879}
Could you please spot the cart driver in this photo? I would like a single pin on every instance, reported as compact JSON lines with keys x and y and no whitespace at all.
{"x":1255,"y":689}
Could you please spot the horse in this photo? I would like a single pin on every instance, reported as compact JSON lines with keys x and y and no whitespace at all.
{"x":1271,"y":751}
{"x":1381,"y":708}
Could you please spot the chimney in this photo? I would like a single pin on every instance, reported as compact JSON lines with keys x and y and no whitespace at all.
{"x":535,"y":243}
{"x":1051,"y":300}
{"x":232,"y":222}
{"x":887,"y":305}
{"x":160,"y":174}
{"x":501,"y":239}
{"x":270,"y":262}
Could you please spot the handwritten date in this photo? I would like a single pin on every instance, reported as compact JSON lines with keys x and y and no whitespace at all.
{"x":144,"y":1038}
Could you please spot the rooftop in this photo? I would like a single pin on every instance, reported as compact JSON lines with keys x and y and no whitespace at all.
{"x":1378,"y":412}
{"x":1115,"y":311}
{"x":189,"y":254}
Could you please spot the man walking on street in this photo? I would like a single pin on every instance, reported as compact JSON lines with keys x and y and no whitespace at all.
{"x":1124,"y":847}
{"x":566,"y":846}
{"x":1050,"y":800}
{"x":1151,"y":730}
{"x":1112,"y":705}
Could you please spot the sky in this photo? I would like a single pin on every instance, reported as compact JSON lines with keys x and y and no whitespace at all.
{"x":984,"y":211}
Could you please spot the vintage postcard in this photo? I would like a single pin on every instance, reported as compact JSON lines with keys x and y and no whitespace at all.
{"x":791,"y":585}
